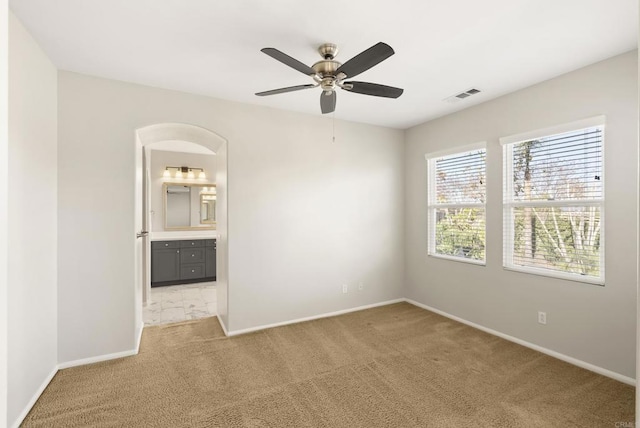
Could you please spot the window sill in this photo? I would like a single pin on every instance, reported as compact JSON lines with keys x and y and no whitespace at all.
{"x":458,"y":259}
{"x":558,"y":275}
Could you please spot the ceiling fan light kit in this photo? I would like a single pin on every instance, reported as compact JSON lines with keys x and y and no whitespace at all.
{"x":329,"y":74}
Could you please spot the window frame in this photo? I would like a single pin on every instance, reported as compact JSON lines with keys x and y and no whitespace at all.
{"x":509,"y":203}
{"x":431,"y":159}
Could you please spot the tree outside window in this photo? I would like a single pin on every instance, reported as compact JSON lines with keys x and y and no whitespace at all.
{"x":554,"y":203}
{"x":457,"y":193}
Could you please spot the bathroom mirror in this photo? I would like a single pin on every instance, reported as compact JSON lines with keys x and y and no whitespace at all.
{"x":207,"y":208}
{"x":189,"y":206}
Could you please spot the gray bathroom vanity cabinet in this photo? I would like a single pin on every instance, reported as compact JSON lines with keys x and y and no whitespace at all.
{"x":183,"y":261}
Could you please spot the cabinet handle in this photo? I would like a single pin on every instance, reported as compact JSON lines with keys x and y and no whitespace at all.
{"x":193,"y":255}
{"x":193,"y":243}
{"x":178,"y":251}
{"x":193,"y":270}
{"x":166,"y":245}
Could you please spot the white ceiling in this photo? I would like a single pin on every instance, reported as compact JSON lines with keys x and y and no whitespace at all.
{"x":442,"y":47}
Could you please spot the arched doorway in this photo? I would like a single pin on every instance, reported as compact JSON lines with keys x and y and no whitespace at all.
{"x":164,"y":132}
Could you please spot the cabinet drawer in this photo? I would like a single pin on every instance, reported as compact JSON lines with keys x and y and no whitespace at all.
{"x":192,"y":255}
{"x":156,"y":245}
{"x":196,"y":243}
{"x":209,"y":242}
{"x":192,"y":271}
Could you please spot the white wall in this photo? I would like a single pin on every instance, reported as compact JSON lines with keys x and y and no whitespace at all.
{"x":161,"y":159}
{"x":222,"y":242}
{"x":32,"y":214}
{"x":4,"y":107}
{"x":305,"y":214}
{"x":637,"y":419}
{"x":591,"y":323}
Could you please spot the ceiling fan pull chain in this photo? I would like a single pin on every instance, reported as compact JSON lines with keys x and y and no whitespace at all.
{"x":334,"y":125}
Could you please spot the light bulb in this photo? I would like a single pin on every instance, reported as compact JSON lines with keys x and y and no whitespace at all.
{"x":191,"y":175}
{"x":202,"y":175}
{"x":178,"y":174}
{"x":166,"y":174}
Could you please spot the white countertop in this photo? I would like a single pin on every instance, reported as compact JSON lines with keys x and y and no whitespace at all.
{"x":182,"y":235}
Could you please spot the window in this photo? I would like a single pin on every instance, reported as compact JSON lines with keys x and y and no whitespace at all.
{"x":456,"y":204}
{"x":554,"y":203}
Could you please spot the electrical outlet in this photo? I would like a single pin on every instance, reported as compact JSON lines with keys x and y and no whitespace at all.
{"x":542,"y":317}
{"x":345,"y":288}
{"x":361,"y":286}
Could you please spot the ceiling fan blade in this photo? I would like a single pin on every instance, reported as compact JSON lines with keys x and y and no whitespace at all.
{"x":327,"y":102}
{"x":287,"y":60}
{"x":374,"y":89}
{"x":365,"y":60}
{"x":283,"y":90}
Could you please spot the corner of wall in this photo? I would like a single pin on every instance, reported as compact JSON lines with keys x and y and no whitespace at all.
{"x":4,"y":110}
{"x":405,"y":287}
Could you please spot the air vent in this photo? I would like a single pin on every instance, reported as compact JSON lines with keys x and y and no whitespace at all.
{"x":462,"y":95}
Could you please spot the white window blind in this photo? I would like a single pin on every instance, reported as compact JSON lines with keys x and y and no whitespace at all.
{"x":456,"y":205}
{"x":553,"y":205}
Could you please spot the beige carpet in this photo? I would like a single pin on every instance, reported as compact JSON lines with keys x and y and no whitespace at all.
{"x":393,"y":366}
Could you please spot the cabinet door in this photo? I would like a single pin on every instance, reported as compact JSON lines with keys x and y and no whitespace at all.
{"x":165,"y":265}
{"x":210,"y":262}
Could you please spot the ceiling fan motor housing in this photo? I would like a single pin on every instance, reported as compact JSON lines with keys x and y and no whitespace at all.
{"x":326,"y":67}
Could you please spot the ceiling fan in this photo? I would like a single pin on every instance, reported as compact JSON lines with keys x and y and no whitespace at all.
{"x":329,"y":74}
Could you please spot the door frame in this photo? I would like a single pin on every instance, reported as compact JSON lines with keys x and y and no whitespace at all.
{"x":160,"y":132}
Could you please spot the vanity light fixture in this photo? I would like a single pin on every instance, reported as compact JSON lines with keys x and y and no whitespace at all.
{"x":183,"y":172}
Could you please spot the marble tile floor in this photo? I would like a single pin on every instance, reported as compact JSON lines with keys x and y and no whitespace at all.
{"x":183,"y":302}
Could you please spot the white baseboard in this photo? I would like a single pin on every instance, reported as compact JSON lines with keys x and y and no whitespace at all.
{"x":106,"y":357}
{"x":99,"y":358}
{"x":563,"y":357}
{"x":224,"y":327}
{"x":35,"y":397}
{"x":139,"y":338}
{"x":311,"y":318}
